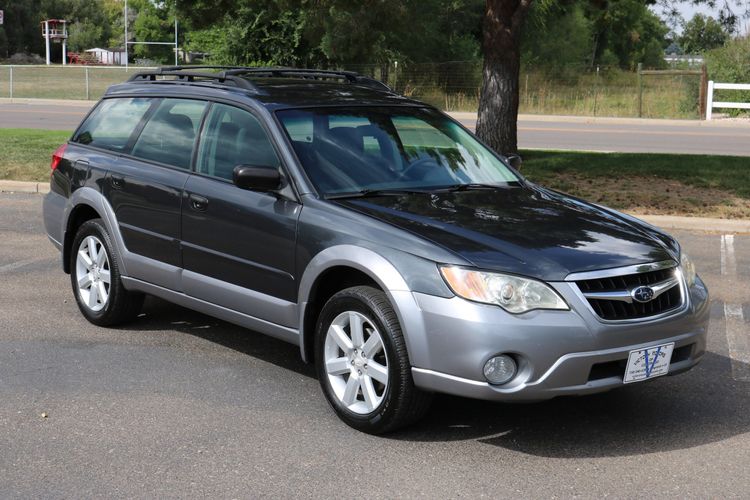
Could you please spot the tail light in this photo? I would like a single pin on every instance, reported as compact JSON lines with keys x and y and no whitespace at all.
{"x":57,"y":156}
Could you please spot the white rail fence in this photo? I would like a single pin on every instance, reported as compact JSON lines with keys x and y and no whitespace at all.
{"x":711,"y":104}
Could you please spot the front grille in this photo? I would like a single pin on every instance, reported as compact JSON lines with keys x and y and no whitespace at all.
{"x":620,"y":310}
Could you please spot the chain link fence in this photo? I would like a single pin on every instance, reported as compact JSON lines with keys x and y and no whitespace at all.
{"x":453,"y":86}
{"x":567,"y":90}
{"x":60,"y":82}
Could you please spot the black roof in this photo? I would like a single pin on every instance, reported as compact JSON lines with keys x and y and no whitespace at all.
{"x":275,"y":88}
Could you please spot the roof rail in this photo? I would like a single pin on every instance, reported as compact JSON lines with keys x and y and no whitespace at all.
{"x":180,"y":75}
{"x":239,"y":75}
{"x":349,"y":76}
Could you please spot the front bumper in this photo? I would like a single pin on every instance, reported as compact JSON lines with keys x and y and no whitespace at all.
{"x":560,"y":352}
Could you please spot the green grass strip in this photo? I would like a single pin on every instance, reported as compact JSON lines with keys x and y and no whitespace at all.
{"x":728,"y":173}
{"x":25,"y":154}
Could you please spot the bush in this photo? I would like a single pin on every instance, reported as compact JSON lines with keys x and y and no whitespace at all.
{"x":21,"y":58}
{"x":730,"y":64}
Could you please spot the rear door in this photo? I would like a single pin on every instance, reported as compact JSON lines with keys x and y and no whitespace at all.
{"x":238,"y":245}
{"x":145,"y":188}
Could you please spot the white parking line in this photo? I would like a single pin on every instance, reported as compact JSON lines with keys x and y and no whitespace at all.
{"x":737,"y":342}
{"x":736,"y":328}
{"x":728,"y":261}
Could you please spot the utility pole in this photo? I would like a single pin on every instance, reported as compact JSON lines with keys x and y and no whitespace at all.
{"x":46,"y":39}
{"x":176,"y":63}
{"x":126,"y":35}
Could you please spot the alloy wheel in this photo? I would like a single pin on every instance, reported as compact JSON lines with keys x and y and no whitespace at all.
{"x":93,"y":273}
{"x":356,"y":362}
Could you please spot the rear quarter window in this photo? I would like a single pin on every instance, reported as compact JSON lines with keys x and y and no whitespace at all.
{"x":112,"y":123}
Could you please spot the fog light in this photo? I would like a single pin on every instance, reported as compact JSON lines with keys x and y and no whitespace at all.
{"x":500,"y":369}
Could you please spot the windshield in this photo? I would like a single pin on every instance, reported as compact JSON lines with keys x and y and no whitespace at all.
{"x":367,"y":149}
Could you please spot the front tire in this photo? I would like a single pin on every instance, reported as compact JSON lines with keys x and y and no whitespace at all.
{"x":96,"y":280}
{"x":362,"y":363}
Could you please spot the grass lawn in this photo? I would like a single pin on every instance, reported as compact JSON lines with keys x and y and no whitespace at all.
{"x":712,"y":186}
{"x":25,"y":154}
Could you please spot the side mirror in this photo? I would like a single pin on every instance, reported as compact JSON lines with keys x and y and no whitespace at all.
{"x":514,"y":160}
{"x":253,"y":178}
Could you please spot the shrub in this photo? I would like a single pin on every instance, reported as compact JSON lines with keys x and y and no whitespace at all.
{"x":21,"y":58}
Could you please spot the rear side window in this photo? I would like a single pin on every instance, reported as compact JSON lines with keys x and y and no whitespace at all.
{"x":112,"y":123}
{"x":169,"y":135}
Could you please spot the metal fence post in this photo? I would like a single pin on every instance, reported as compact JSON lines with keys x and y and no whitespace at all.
{"x":11,"y":82}
{"x":87,"y":82}
{"x":640,"y":90}
{"x":709,"y":100}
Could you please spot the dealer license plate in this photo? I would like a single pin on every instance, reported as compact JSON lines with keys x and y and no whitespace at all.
{"x":648,"y":363}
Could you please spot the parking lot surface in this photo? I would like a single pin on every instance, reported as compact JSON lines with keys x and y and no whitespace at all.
{"x":182,"y":405}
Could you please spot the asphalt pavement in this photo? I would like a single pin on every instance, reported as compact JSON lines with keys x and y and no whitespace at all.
{"x":534,"y":132}
{"x":179,"y":404}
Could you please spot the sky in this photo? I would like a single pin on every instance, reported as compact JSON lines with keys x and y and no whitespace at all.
{"x":688,"y":11}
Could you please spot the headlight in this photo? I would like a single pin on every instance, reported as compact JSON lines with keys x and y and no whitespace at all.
{"x":512,"y":293}
{"x":688,"y":269}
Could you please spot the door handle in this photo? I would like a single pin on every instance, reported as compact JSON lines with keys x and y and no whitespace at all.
{"x":198,"y":203}
{"x":117,"y":182}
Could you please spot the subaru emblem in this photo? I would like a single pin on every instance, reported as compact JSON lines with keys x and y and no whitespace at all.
{"x":643,"y":294}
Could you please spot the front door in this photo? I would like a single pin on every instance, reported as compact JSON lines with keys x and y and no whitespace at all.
{"x":238,"y":246}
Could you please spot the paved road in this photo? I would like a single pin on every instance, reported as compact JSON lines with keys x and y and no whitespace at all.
{"x":43,"y":116}
{"x":627,"y":135}
{"x":181,"y":405}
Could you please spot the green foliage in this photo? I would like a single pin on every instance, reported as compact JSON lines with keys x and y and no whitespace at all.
{"x":21,"y":31}
{"x":557,"y":35}
{"x":630,"y":31}
{"x":700,"y":34}
{"x":564,"y":33}
{"x":337,"y":32}
{"x":85,"y":35}
{"x":730,"y":64}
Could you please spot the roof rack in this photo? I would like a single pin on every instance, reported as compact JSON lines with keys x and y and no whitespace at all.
{"x":193,"y":77}
{"x":239,"y":75}
{"x":349,"y":76}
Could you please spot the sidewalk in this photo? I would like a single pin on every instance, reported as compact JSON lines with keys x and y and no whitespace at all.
{"x":662,"y":221}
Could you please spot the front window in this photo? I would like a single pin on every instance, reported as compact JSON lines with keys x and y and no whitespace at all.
{"x":365,"y":149}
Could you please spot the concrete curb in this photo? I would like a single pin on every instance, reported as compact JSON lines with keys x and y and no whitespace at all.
{"x":24,"y":187}
{"x":662,"y":221}
{"x":740,"y":226}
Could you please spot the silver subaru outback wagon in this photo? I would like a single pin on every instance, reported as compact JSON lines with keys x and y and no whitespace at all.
{"x":401,"y":255}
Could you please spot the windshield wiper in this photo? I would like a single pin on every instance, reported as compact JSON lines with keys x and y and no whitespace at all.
{"x":471,"y":186}
{"x":365,"y":193}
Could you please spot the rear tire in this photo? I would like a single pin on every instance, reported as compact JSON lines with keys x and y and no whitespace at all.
{"x":362,"y":363}
{"x":96,"y":280}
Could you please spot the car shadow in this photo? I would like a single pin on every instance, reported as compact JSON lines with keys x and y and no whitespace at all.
{"x":702,"y":406}
{"x":160,"y":315}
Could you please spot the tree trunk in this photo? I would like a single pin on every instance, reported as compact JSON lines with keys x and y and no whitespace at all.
{"x":498,"y":101}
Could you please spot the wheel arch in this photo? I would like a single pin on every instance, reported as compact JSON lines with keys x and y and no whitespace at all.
{"x":78,"y":216}
{"x":86,"y":204}
{"x":340,"y":267}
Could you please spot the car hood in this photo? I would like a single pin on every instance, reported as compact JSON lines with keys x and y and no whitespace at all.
{"x":523,"y":229}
